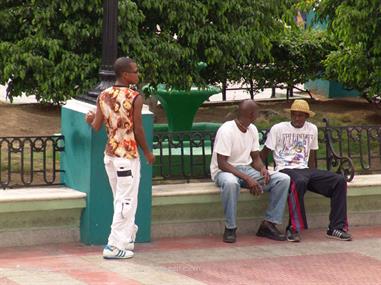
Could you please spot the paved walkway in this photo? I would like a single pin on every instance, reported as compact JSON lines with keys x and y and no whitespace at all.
{"x":252,"y":260}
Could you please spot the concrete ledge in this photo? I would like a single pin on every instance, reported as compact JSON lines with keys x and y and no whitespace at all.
{"x":40,"y":193}
{"x":165,"y":190}
{"x":42,"y":198}
{"x":365,"y":180}
{"x":31,"y":216}
{"x":195,"y":208}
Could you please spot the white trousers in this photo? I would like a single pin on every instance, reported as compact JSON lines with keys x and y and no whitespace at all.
{"x":124,"y":177}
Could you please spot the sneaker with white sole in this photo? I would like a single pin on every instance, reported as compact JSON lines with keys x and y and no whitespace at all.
{"x":338,"y":234}
{"x":112,"y":252}
{"x":131,"y":245}
{"x":292,"y":235}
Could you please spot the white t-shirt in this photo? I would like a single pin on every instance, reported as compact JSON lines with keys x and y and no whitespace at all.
{"x":232,"y":142}
{"x":291,"y":146}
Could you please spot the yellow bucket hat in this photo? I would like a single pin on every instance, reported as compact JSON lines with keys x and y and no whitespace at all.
{"x":301,"y":106}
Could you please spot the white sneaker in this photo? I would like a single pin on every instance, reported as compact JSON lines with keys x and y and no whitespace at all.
{"x":112,"y":252}
{"x":131,"y":245}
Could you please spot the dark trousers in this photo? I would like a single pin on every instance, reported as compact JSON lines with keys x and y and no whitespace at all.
{"x":323,"y":182}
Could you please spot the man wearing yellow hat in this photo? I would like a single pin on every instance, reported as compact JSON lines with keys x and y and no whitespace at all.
{"x":294,"y":146}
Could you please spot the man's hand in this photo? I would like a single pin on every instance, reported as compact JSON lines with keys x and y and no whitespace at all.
{"x":150,"y":157}
{"x":254,"y":187}
{"x":265,"y":173}
{"x":90,"y":117}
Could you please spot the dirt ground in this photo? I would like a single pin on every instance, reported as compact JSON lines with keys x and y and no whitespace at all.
{"x":349,"y":111}
{"x":29,"y":120}
{"x":35,"y":119}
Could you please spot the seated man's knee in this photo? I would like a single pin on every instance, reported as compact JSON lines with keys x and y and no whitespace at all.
{"x":230,"y":182}
{"x":341,"y":179}
{"x":282,"y":178}
{"x":285,"y":178}
{"x":300,"y":181}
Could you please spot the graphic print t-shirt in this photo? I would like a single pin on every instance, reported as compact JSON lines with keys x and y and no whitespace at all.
{"x":232,"y":142}
{"x":291,"y":146}
{"x":116,"y":104}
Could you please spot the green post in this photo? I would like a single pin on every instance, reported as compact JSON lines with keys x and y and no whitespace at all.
{"x":83,"y":164}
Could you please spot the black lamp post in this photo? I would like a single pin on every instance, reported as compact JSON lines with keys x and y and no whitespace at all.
{"x":109,"y":51}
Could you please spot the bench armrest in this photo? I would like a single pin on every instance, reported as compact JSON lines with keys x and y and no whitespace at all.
{"x":344,"y":164}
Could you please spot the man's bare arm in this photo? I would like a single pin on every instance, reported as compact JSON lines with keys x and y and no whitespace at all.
{"x":225,"y":166}
{"x":95,"y":120}
{"x":258,"y":165}
{"x":139,"y":131}
{"x":312,"y":159}
{"x":265,"y":153}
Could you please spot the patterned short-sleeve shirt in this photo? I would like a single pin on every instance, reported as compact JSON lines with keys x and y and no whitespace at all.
{"x":116,"y":104}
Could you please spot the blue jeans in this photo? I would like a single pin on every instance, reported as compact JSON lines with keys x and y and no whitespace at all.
{"x":230,"y":186}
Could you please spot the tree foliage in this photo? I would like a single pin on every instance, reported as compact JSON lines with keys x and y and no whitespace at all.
{"x":356,"y":28}
{"x":297,"y":56}
{"x":49,"y":48}
{"x":52,"y":49}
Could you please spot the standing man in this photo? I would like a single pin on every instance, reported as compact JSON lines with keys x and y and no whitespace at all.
{"x":120,"y":107}
{"x":236,"y":163}
{"x":294,"y":146}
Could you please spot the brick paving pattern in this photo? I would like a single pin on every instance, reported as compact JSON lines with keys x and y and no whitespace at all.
{"x":204,"y":260}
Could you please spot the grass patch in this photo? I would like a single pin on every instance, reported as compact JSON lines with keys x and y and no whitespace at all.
{"x":24,"y":169}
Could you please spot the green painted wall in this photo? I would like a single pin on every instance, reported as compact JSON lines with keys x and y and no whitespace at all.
{"x":82,"y":161}
{"x":331,"y":88}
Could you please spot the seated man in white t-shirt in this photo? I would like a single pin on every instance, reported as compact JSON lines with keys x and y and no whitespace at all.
{"x":236,"y":163}
{"x":294,"y":146}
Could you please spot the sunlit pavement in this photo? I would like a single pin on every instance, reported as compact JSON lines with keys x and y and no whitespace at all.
{"x":231,"y":95}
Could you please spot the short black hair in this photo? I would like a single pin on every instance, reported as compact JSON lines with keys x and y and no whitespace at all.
{"x":122,"y":64}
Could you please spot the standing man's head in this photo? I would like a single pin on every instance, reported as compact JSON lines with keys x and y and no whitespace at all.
{"x":300,"y":112}
{"x":126,"y":71}
{"x":247,"y":112}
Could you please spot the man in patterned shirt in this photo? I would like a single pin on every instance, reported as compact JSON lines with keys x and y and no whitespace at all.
{"x":294,"y":145}
{"x":119,"y":108}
